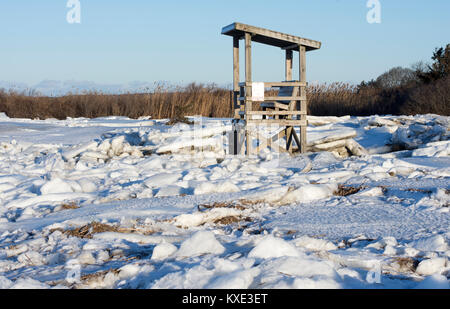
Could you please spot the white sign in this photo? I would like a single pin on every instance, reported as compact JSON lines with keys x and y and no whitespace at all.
{"x":257,"y":91}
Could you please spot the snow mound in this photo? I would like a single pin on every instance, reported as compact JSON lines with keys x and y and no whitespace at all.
{"x":223,"y":187}
{"x":200,"y":243}
{"x":309,"y":193}
{"x":314,"y":244}
{"x":301,"y":267}
{"x":163,"y":179}
{"x":28,"y":283}
{"x":199,"y":218}
{"x":434,"y":243}
{"x":5,"y":283}
{"x":163,"y":251}
{"x":56,"y":185}
{"x":240,"y":279}
{"x":272,"y":247}
{"x":434,"y":282}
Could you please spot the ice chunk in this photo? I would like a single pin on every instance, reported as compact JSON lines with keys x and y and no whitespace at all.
{"x":31,"y":258}
{"x":87,"y":186}
{"x":117,"y":145}
{"x":86,"y":257}
{"x":150,"y":164}
{"x":73,"y":152}
{"x":5,"y":283}
{"x":431,"y":266}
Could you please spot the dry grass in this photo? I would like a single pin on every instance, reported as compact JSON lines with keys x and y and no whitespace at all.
{"x":175,"y":103}
{"x":405,"y":264}
{"x":96,"y":278}
{"x":162,"y":102}
{"x":232,"y":219}
{"x":419,"y":190}
{"x":175,"y":120}
{"x":71,"y":205}
{"x":238,"y":205}
{"x":87,"y":231}
{"x":347,"y":190}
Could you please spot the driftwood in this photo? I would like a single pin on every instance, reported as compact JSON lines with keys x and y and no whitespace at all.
{"x":341,"y":144}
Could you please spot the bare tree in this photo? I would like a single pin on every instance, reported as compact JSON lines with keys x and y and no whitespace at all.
{"x":395,"y":77}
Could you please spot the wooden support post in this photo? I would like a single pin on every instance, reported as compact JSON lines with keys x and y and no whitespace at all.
{"x":303,"y":103}
{"x":235,"y":71}
{"x":288,"y":67}
{"x":248,"y":87}
{"x":288,"y":77}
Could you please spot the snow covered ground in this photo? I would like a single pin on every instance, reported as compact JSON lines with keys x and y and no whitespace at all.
{"x":121,"y":203}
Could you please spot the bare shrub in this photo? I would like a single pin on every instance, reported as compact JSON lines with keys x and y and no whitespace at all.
{"x":432,"y":98}
{"x":162,"y":102}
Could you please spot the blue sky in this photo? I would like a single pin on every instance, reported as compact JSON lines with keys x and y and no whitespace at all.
{"x":179,"y":41}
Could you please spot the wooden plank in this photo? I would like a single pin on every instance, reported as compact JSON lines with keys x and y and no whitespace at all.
{"x":248,"y":60}
{"x":275,"y":105}
{"x":303,"y":104}
{"x":270,"y":37}
{"x":236,"y":88}
{"x":290,"y":130}
{"x":291,"y":47}
{"x":248,"y":87}
{"x":271,"y":113}
{"x":289,"y":139}
{"x":296,"y":138}
{"x":296,"y":98}
{"x":279,"y":84}
{"x":280,"y":122}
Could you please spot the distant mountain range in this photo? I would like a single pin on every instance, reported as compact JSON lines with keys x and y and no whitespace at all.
{"x":59,"y":88}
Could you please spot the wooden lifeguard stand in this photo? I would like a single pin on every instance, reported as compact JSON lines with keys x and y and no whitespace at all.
{"x":285,"y":111}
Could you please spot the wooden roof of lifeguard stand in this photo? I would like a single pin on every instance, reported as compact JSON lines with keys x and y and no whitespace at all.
{"x":286,"y":110}
{"x":270,"y":37}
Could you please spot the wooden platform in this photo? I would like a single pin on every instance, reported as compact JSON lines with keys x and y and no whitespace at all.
{"x":283,"y":111}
